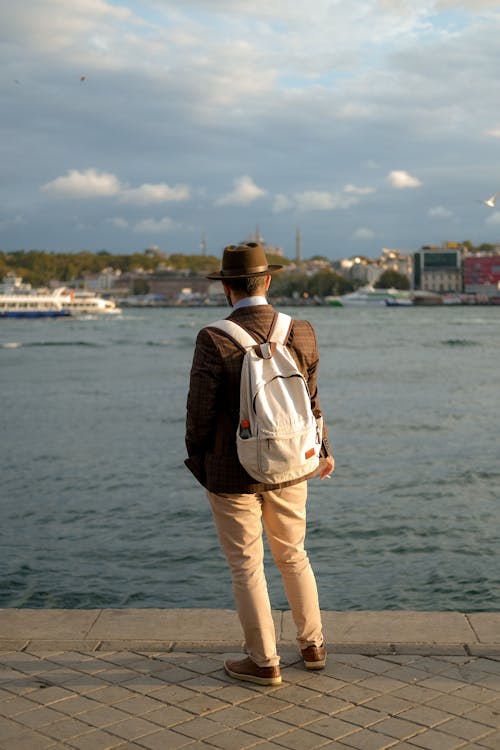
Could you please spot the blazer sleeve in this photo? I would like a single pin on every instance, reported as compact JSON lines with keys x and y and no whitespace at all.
{"x":201,"y":412}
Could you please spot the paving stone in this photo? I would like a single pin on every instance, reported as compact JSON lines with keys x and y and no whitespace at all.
{"x":491,"y":741}
{"x":300,"y":739}
{"x":233,"y":694}
{"x":362,"y":716}
{"x":65,"y":729}
{"x":200,"y":728}
{"x":133,"y":728}
{"x":112,"y":694}
{"x":356,"y":694}
{"x":398,"y":728}
{"x":38,"y":717}
{"x":29,"y":740}
{"x":295,"y":694}
{"x":15,"y":705}
{"x":382,"y":684}
{"x":165,"y":739}
{"x":234,"y":716}
{"x":139,"y":705}
{"x":203,"y":683}
{"x":328,"y":704}
{"x":332,"y":727}
{"x":417,"y":694}
{"x":298,"y":716}
{"x":265,"y":705}
{"x":202,"y":704}
{"x":171,"y":694}
{"x":169,"y":716}
{"x":476,"y":693}
{"x":452,"y":704}
{"x":433,"y":739}
{"x":489,"y":714}
{"x":9,"y":729}
{"x":267,"y":727}
{"x":365,"y":739}
{"x":466,"y":729}
{"x":427,"y":716}
{"x":95,"y":740}
{"x":103,"y":716}
{"x":232,"y":739}
{"x":389,"y":704}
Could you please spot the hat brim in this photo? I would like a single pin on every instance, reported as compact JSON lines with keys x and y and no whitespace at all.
{"x":219,"y":276}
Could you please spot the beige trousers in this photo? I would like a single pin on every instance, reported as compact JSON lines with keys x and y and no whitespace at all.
{"x":239,"y":519}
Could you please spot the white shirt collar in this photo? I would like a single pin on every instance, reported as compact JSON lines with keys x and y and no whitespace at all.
{"x":250,"y":302}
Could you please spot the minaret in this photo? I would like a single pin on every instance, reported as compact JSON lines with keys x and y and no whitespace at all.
{"x":298,"y":247}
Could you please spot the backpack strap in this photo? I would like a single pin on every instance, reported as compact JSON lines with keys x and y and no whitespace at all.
{"x":280,"y":330}
{"x":235,"y":331}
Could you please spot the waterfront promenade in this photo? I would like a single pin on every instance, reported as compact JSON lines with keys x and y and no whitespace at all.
{"x":151,"y":678}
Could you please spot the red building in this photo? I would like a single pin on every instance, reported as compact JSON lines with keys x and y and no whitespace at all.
{"x":482,"y":274}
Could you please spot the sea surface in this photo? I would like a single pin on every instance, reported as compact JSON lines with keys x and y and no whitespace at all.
{"x":98,"y":510}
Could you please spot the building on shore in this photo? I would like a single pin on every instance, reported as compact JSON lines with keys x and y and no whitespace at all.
{"x":439,"y":269}
{"x":482,"y":275}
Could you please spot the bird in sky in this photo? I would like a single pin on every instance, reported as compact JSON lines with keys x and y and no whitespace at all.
{"x":491,"y":201}
{"x":83,"y":78}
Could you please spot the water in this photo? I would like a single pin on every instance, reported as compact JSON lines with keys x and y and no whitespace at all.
{"x":98,"y":510}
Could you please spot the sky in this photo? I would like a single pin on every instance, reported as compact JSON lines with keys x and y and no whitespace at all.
{"x":126,"y":124}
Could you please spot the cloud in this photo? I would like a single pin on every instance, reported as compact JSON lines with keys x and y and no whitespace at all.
{"x":245,"y":192}
{"x":400,"y":179}
{"x":87,"y":184}
{"x":118,"y":222}
{"x":358,"y":190}
{"x":440,"y":212}
{"x":363,"y":234}
{"x":493,"y":132}
{"x":159,"y":193}
{"x":494,"y":218}
{"x":166,"y":224}
{"x":281,"y":203}
{"x":318,"y":200}
{"x":90,"y":183}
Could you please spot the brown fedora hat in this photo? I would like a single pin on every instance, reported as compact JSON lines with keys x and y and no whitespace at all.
{"x":242,"y":261}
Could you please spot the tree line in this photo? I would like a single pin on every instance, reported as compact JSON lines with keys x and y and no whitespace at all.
{"x":39,"y":267}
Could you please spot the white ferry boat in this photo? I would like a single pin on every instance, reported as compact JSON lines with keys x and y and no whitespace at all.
{"x":368,"y":295}
{"x":57,"y":304}
{"x":82,"y":303}
{"x":31,"y":306}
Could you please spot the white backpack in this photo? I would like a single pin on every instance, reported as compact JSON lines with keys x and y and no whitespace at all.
{"x":283,"y":438}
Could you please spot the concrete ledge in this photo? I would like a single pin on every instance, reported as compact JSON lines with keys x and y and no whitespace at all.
{"x":217,"y":630}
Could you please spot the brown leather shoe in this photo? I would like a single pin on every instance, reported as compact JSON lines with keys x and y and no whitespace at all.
{"x":247,"y":670}
{"x":314,"y":657}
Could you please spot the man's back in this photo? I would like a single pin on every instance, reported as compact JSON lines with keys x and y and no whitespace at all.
{"x":213,"y":401}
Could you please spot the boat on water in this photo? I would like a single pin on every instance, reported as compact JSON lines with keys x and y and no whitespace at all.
{"x":60,"y":303}
{"x":368,"y":295}
{"x":31,"y":306}
{"x":399,"y":302}
{"x":85,"y":303}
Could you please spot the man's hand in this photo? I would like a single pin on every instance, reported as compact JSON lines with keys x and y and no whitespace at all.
{"x":327,"y":465}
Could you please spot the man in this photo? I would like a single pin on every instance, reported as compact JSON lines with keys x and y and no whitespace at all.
{"x":240,"y":504}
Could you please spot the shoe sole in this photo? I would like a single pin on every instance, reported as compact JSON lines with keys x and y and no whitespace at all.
{"x":315,"y":664}
{"x":253,"y":678}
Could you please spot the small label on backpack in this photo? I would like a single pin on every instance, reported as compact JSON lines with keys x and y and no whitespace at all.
{"x":310,"y":453}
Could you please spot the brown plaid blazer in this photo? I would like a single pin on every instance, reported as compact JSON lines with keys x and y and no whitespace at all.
{"x":214,"y":397}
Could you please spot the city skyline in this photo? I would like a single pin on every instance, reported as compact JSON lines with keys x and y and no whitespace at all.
{"x":134,"y":123}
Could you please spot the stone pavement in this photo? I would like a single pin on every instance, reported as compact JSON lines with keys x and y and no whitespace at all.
{"x":139,"y":679}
